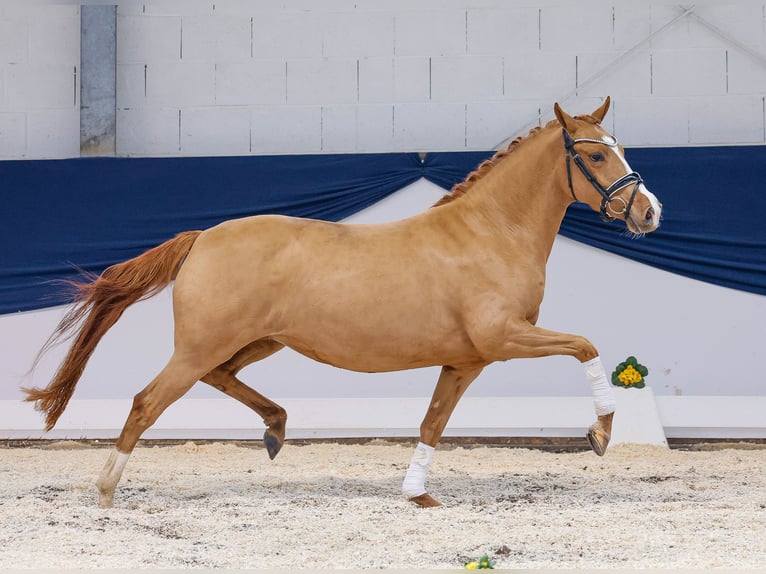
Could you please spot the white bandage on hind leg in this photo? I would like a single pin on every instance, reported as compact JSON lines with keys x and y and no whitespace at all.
{"x":603,"y":397}
{"x":415,"y":481}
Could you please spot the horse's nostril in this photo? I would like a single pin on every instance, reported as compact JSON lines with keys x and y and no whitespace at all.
{"x":650,"y":214}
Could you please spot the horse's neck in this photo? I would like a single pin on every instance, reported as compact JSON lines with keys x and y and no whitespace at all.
{"x":522,"y":194}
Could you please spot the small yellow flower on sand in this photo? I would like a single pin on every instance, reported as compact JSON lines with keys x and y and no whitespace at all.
{"x":472,"y":566}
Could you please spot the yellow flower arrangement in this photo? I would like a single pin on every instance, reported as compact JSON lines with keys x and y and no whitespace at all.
{"x":484,"y":563}
{"x":630,"y":373}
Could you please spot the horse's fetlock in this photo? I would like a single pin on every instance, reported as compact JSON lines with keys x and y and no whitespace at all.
{"x":584,"y":349}
{"x":276,"y":419}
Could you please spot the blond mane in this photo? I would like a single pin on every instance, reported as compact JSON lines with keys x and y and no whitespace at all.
{"x":461,"y":188}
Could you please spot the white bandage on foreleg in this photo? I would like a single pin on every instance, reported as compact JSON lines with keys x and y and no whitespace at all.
{"x":603,"y":397}
{"x":415,"y":481}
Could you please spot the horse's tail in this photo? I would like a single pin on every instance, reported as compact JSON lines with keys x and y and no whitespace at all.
{"x":98,"y":306}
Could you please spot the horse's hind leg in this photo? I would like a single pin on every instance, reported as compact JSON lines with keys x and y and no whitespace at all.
{"x":169,"y":385}
{"x":223,"y":378}
{"x":450,"y":387}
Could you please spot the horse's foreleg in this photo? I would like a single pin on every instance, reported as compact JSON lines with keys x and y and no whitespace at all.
{"x":168,"y":386}
{"x":600,"y":432}
{"x":223,"y":378}
{"x":525,"y":341}
{"x":450,"y":387}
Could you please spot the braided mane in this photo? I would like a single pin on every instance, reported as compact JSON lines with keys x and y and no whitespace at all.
{"x":461,"y":188}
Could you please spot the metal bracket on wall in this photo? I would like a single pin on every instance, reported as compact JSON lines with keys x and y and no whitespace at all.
{"x":98,"y":79}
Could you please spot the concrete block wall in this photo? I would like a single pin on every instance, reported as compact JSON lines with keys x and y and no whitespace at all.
{"x":39,"y":80}
{"x":208,"y":77}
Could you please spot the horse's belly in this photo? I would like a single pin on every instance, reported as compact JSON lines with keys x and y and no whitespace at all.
{"x":366,"y":350}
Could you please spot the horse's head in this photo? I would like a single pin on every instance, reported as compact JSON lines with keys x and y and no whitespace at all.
{"x":599,"y":175}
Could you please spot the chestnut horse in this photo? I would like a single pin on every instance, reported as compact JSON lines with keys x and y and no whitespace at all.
{"x":459,"y":286}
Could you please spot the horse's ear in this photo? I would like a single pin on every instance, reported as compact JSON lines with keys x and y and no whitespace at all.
{"x":601,"y":111}
{"x":564,"y":118}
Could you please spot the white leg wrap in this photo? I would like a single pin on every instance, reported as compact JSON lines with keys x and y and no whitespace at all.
{"x":603,"y":397}
{"x":415,"y":481}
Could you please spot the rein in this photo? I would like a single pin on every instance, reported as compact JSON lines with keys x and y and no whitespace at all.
{"x":606,"y":193}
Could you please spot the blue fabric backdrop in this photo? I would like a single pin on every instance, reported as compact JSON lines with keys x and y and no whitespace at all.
{"x":91,"y":213}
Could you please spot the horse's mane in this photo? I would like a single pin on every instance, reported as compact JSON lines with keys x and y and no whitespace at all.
{"x":461,"y":188}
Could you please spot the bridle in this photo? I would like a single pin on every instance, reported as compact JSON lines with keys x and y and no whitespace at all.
{"x":606,"y":193}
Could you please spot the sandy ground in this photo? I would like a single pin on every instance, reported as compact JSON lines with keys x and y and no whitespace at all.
{"x":320,"y":506}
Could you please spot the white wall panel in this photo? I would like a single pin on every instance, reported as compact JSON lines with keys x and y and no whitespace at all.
{"x":13,"y":41}
{"x":632,"y":24}
{"x":131,"y":85}
{"x":488,"y":124}
{"x":745,"y":74}
{"x":287,"y":34}
{"x":676,"y":35}
{"x":13,"y":135}
{"x":540,"y":75}
{"x":24,"y":89}
{"x":422,"y":127}
{"x":148,"y":131}
{"x":358,"y":34}
{"x":284,"y":129}
{"x":503,"y":31}
{"x":466,"y":78}
{"x":329,"y":81}
{"x":179,"y":55}
{"x":376,"y":127}
{"x":411,"y":82}
{"x":254,"y":82}
{"x":576,"y":26}
{"x":54,"y":35}
{"x":339,"y":128}
{"x":376,"y":80}
{"x":49,"y":132}
{"x":740,"y":20}
{"x":172,"y":6}
{"x":215,"y":131}
{"x":180,"y":84}
{"x":144,"y":38}
{"x":668,"y":124}
{"x":216,"y":38}
{"x":432,"y":33}
{"x":608,"y":72}
{"x":689,"y":72}
{"x":729,"y":119}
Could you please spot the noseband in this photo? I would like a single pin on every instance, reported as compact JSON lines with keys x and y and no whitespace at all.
{"x":606,"y":193}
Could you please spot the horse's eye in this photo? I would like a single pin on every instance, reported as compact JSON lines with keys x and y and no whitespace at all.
{"x":597,"y":157}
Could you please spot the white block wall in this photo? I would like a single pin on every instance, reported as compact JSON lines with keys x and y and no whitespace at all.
{"x":39,"y":80}
{"x":222,"y":77}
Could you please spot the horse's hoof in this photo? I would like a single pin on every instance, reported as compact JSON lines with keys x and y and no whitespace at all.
{"x":425,"y":500}
{"x":599,"y":434}
{"x":273,"y":444}
{"x":105,"y":499}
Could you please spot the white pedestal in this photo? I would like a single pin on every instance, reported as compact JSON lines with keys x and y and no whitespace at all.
{"x":636,"y":419}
